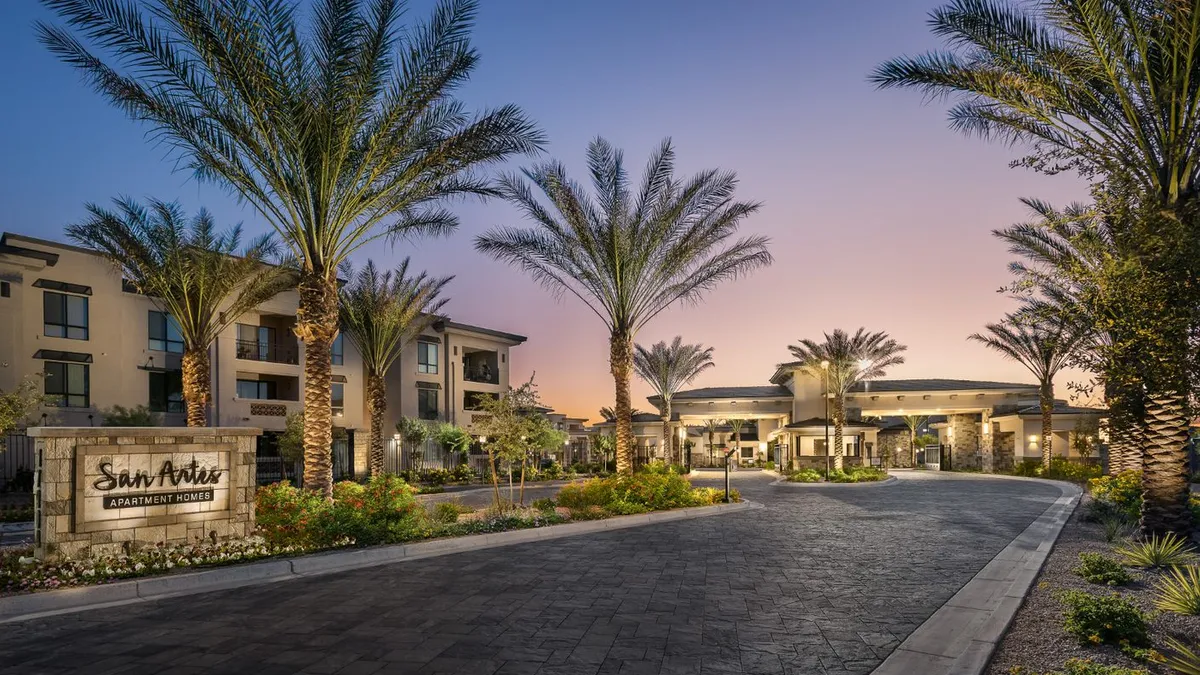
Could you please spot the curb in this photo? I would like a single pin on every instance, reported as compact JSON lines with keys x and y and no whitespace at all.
{"x":69,"y":600}
{"x":961,"y":636}
{"x":871,"y":483}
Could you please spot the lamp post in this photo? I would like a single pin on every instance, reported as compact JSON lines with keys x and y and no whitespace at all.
{"x":825,"y":369}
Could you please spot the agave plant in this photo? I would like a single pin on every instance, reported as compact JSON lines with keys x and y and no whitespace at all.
{"x":1182,"y":658}
{"x":1179,"y":590}
{"x":1168,"y":550}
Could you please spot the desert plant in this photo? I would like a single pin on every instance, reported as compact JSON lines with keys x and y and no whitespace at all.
{"x":1169,"y":550}
{"x":1104,"y":619}
{"x":1099,"y":569}
{"x":1182,"y":658}
{"x":1179,"y":590}
{"x":137,"y":416}
{"x":1117,"y":526}
{"x":338,"y":134}
{"x":628,"y":256}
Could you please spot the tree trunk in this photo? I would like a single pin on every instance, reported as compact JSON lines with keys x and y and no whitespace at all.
{"x":197,"y":385}
{"x":1046,"y":400}
{"x":668,"y":435}
{"x":376,"y":406}
{"x":524,"y":461}
{"x":1126,"y":412}
{"x":621,"y":360}
{"x":1164,"y":474}
{"x":316,"y":326}
{"x":495,"y":479}
{"x":839,"y":420}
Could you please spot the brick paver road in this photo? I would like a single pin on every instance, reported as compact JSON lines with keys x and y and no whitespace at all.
{"x":819,"y":581}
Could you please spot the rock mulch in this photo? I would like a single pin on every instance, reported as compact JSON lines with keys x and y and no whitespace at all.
{"x":1036,"y":640}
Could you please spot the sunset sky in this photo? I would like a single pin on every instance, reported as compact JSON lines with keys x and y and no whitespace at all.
{"x":879,"y":214}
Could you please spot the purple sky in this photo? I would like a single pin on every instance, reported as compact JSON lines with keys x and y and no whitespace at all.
{"x":879,"y":214}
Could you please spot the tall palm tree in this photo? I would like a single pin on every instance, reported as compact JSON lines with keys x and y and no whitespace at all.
{"x":203,"y":280}
{"x":608,"y":414}
{"x":735,"y":425}
{"x":914,"y":422}
{"x":667,"y":368}
{"x":339,"y":134}
{"x":1044,"y":349}
{"x":1110,"y":88}
{"x":710,"y":426}
{"x":380,"y":313}
{"x":628,"y":256}
{"x":846,"y":360}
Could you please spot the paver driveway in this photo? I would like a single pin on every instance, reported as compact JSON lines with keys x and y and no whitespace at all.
{"x":820,"y":581}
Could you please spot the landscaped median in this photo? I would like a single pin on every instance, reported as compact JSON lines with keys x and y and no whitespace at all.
{"x":849,"y":475}
{"x":371,"y":524}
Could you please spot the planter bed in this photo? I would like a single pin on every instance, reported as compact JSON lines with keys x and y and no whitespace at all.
{"x":1036,"y":642}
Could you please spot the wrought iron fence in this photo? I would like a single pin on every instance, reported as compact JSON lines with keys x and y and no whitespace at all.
{"x":400,"y":456}
{"x":16,"y":463}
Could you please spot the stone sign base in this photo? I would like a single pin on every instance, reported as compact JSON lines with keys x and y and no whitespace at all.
{"x":108,"y":490}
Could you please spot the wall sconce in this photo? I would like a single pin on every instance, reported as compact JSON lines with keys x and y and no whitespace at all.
{"x":987,"y":428}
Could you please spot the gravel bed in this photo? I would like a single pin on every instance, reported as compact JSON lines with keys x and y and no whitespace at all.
{"x":1036,"y":640}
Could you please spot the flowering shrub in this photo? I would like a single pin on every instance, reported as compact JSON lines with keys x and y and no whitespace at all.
{"x":19,"y":572}
{"x":1122,"y":491}
{"x":646,"y":491}
{"x":381,"y":511}
{"x":286,"y":515}
{"x":1104,"y":619}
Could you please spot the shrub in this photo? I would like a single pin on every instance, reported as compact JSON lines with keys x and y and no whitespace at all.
{"x":436,"y":476}
{"x":867,"y":473}
{"x":381,"y":511}
{"x":284,"y":514}
{"x":463,"y":473}
{"x":579,"y":467}
{"x":545,"y":504}
{"x":1166,"y":551}
{"x":552,"y":471}
{"x":1117,"y":526}
{"x":1084,"y":667}
{"x":447,"y":512}
{"x":653,"y":490}
{"x":1179,"y":591}
{"x":1104,"y":619}
{"x":1029,"y":468}
{"x":1122,"y":491}
{"x":804,"y":476}
{"x":1099,"y":569}
{"x":769,"y":465}
{"x":1076,"y":472}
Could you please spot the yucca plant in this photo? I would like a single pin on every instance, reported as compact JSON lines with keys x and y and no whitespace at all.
{"x":204,"y":280}
{"x":1169,"y":550}
{"x":1181,"y":658}
{"x":339,"y":133}
{"x":627,"y":254}
{"x":1179,"y":590}
{"x":381,"y":312}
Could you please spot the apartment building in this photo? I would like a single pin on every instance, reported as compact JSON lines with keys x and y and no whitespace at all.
{"x":66,"y":316}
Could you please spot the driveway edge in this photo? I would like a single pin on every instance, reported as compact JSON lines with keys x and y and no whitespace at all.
{"x":961,"y":636}
{"x":69,"y":600}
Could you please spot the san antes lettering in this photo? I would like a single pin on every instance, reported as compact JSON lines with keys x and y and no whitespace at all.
{"x":188,"y":474}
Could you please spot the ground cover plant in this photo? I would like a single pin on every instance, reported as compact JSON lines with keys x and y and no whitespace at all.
{"x":1100,"y":569}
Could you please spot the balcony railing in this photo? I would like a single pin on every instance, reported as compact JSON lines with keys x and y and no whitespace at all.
{"x":252,"y":350}
{"x":486,"y":376}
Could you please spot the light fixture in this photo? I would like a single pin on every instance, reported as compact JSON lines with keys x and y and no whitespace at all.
{"x":825,"y":365}
{"x":863,"y":364}
{"x":483,"y":439}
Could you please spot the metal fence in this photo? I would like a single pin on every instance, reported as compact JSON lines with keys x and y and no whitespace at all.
{"x":400,"y":456}
{"x":16,"y":463}
{"x":271,"y":468}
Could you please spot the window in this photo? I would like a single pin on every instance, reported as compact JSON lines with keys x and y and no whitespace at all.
{"x":65,"y":316}
{"x":164,"y":333}
{"x":338,"y":391}
{"x":819,"y":446}
{"x":338,"y":357}
{"x":5,"y":289}
{"x":472,"y":400}
{"x":427,"y":404}
{"x":427,"y":358}
{"x":747,"y":453}
{"x":67,"y":384}
{"x":166,"y":391}
{"x":258,"y":389}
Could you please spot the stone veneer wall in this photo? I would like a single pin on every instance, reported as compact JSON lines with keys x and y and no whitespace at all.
{"x":965,"y":442}
{"x":1005,"y":446}
{"x":61,"y":505}
{"x":895,"y":443}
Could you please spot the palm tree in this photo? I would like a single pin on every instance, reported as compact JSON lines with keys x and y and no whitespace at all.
{"x":667,"y":368}
{"x":338,"y":134}
{"x":847,"y":360}
{"x":735,"y":425}
{"x":914,"y":422}
{"x":608,"y":415}
{"x":710,"y":426}
{"x":203,"y":280}
{"x":380,"y":313}
{"x":628,"y":257}
{"x":1109,"y":88}
{"x":1044,"y":349}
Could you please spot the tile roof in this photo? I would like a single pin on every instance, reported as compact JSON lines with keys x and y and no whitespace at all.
{"x":767,"y":391}
{"x":935,"y":385}
{"x":820,"y":422}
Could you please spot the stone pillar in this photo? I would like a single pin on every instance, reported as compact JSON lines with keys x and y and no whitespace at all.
{"x":964,"y":441}
{"x":106,"y":490}
{"x":362,"y":452}
{"x":987,"y":456}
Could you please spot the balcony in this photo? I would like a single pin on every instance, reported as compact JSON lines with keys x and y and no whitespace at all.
{"x":480,"y":365}
{"x":253,"y":350}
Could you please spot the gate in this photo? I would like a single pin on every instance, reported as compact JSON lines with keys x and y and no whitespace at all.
{"x":16,"y":463}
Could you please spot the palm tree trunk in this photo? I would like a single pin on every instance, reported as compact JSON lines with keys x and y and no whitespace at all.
{"x":1126,"y":412}
{"x":197,"y":385}
{"x":668,"y":436}
{"x":621,"y":360}
{"x":316,"y":326}
{"x":1046,"y":400}
{"x":376,"y":406}
{"x":839,"y":420}
{"x":1164,"y":474}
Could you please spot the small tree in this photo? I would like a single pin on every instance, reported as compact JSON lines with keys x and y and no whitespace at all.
{"x":509,"y":422}
{"x":290,"y":443}
{"x":914,"y":422}
{"x":453,"y":439}
{"x":414,"y":432}
{"x":137,"y":416}
{"x":666,"y":368}
{"x":17,"y":405}
{"x":736,"y":426}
